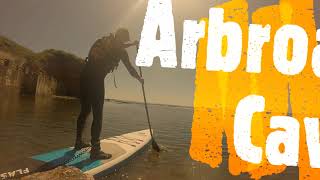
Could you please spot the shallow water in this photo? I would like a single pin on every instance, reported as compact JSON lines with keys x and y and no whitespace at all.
{"x":32,"y":125}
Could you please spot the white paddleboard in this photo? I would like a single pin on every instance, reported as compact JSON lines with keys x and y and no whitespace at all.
{"x":122,"y":148}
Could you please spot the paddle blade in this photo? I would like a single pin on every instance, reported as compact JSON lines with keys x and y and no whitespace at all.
{"x":155,"y":146}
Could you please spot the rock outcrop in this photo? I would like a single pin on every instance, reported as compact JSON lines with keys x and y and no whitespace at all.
{"x":59,"y":173}
{"x":47,"y":73}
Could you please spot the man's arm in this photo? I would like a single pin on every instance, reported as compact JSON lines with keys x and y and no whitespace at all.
{"x":130,"y":44}
{"x":125,"y":60}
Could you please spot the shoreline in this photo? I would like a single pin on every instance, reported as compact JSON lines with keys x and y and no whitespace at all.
{"x":121,"y":101}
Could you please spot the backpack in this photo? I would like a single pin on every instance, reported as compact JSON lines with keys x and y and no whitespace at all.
{"x":103,"y":54}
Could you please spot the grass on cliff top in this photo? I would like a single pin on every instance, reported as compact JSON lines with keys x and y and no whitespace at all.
{"x":59,"y":55}
{"x":9,"y":46}
{"x":15,"y":49}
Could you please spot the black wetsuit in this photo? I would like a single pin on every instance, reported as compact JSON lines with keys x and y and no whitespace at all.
{"x":101,"y":61}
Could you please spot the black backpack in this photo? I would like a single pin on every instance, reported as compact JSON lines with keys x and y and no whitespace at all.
{"x":103,"y":54}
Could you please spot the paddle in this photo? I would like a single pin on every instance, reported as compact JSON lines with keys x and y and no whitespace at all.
{"x":155,"y":146}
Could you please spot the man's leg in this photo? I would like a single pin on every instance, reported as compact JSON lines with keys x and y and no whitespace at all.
{"x":96,"y":153}
{"x":96,"y":127}
{"x":97,"y":110}
{"x":85,"y":111}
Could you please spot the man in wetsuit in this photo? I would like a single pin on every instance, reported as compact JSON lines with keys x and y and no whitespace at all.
{"x":103,"y":58}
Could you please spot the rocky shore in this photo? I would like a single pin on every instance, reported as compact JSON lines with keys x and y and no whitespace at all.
{"x":59,"y":173}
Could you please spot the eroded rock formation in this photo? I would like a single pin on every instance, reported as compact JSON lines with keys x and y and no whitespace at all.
{"x":47,"y":73}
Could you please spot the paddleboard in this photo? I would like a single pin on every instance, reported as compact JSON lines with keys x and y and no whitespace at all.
{"x":122,"y":148}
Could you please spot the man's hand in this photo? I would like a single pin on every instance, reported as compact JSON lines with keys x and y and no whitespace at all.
{"x":135,"y":43}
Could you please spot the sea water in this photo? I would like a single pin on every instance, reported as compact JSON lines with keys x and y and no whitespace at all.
{"x":33,"y":125}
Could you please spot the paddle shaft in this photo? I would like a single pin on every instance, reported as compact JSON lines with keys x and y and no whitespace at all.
{"x":146,"y":105}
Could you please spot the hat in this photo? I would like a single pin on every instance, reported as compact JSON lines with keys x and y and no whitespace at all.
{"x":122,"y":34}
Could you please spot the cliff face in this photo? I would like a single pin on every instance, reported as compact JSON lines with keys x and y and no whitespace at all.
{"x":50,"y":72}
{"x":65,"y":68}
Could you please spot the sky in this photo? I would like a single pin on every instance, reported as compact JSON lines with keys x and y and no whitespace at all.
{"x":74,"y":25}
